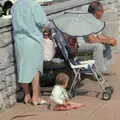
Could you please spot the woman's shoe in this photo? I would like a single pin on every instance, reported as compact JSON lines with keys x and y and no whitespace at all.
{"x":40,"y":102}
{"x":27,"y":100}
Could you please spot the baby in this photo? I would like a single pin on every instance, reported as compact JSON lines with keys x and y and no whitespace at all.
{"x":59,"y":95}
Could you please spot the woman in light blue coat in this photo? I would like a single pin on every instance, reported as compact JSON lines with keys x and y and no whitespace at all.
{"x":28,"y":20}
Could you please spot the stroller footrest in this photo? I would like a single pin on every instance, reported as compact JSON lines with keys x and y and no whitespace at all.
{"x":83,"y":64}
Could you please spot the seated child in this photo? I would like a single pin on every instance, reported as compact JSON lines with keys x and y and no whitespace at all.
{"x":59,"y":95}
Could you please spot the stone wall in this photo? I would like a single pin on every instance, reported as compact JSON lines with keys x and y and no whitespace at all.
{"x":7,"y":69}
{"x":7,"y":65}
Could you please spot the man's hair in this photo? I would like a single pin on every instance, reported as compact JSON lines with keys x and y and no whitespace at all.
{"x":94,"y":6}
{"x":61,"y":78}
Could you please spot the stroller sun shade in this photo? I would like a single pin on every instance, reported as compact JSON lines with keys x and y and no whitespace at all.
{"x":78,"y":24}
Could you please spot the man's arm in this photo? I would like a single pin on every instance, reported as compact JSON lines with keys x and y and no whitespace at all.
{"x":102,"y":39}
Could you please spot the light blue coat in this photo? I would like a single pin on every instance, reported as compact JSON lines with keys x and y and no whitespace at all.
{"x":28,"y":19}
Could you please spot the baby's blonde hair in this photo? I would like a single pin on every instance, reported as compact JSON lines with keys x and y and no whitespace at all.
{"x":61,"y":78}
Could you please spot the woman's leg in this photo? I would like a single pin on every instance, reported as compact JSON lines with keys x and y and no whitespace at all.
{"x":36,"y":91}
{"x":27,"y":92}
{"x":36,"y":88}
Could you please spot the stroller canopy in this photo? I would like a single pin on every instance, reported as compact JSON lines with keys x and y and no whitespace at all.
{"x":78,"y":24}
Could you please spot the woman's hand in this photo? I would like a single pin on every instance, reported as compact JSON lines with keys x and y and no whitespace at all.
{"x":45,"y":29}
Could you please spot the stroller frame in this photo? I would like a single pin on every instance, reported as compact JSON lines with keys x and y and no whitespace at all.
{"x":79,"y":67}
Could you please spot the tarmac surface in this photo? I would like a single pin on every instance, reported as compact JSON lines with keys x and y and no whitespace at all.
{"x":89,"y":93}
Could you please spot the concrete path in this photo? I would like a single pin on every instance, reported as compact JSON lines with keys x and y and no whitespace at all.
{"x":89,"y":93}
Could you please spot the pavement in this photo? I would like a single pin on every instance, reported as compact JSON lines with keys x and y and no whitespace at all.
{"x":89,"y":93}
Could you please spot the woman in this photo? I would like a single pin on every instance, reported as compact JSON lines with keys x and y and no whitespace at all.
{"x":28,"y":20}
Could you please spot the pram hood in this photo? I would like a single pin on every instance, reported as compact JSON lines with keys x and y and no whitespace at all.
{"x":78,"y":24}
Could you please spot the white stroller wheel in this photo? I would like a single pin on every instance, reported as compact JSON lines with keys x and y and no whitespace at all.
{"x":108,"y":93}
{"x":106,"y":96}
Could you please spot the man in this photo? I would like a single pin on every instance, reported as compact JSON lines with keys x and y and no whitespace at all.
{"x":99,"y":44}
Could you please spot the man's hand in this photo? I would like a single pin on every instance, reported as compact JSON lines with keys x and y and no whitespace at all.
{"x":107,"y":40}
{"x":113,"y":41}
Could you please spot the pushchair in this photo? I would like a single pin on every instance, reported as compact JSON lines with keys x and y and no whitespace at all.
{"x":78,"y":67}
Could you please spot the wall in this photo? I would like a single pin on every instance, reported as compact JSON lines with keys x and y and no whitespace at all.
{"x":7,"y":69}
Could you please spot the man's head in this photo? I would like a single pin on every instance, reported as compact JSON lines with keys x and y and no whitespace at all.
{"x":96,"y":8}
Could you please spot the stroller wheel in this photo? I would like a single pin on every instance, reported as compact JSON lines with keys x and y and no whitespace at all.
{"x":109,"y":89}
{"x":108,"y":93}
{"x":112,"y":89}
{"x":106,"y":96}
